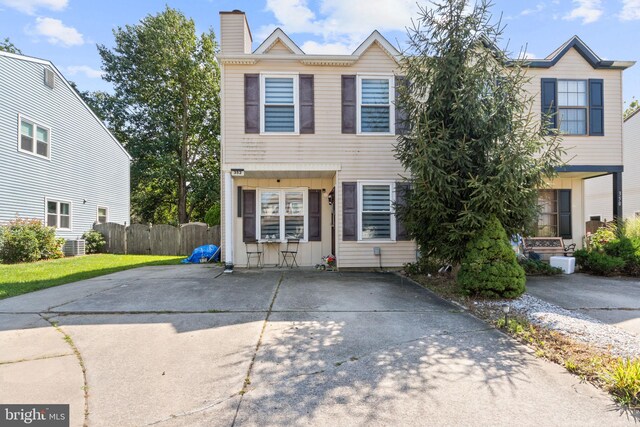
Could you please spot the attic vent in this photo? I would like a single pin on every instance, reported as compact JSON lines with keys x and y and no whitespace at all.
{"x":48,"y":77}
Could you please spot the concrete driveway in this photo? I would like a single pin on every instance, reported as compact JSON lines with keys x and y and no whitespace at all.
{"x":615,"y":301}
{"x":187,"y":345}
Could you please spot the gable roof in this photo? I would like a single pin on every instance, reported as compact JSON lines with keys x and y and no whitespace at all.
{"x":383,"y":43}
{"x":585,"y":51}
{"x":308,"y":59}
{"x":278,"y":35}
{"x":66,"y":82}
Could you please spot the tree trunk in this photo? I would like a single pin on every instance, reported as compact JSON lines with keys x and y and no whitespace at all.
{"x":183,"y":217}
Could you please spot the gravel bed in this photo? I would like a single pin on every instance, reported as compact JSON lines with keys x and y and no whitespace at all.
{"x":575,"y":325}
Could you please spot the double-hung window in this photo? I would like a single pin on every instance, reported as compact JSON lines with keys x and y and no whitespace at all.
{"x":279,"y":103}
{"x":58,"y":214}
{"x":282,"y":214}
{"x":375,"y":106}
{"x":34,"y":138}
{"x":572,"y":106}
{"x":102,"y":215}
{"x":376,"y":216}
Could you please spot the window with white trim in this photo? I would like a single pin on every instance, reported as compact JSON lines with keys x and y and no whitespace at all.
{"x":102,"y":215}
{"x":58,"y":214}
{"x":572,"y":106}
{"x":34,"y":138}
{"x":375,"y":106}
{"x":282,"y":214}
{"x":376,"y":216}
{"x":279,"y":103}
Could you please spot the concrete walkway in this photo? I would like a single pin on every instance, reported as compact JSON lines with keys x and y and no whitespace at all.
{"x":615,"y":301}
{"x":186,"y":345}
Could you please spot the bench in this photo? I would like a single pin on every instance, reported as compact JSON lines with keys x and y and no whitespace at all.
{"x":548,"y":245}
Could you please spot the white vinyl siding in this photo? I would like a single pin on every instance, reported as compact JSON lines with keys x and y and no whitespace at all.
{"x":572,"y":106}
{"x":282,"y":214}
{"x":33,"y":138}
{"x":376,"y":219}
{"x":279,"y":103}
{"x":58,"y":214}
{"x":375,"y":109}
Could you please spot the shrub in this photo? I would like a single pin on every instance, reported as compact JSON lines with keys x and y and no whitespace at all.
{"x":603,"y":236}
{"x":581,"y":256}
{"x":490,"y":268}
{"x":599,"y":263}
{"x":20,"y":244}
{"x":94,"y":241}
{"x":18,"y":238}
{"x":538,"y":268}
{"x":624,"y":382}
{"x":212,"y":217}
{"x":632,"y":228}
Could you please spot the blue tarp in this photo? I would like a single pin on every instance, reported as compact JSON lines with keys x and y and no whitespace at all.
{"x":206,"y":251}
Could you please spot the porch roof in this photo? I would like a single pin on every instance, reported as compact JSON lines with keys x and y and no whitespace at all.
{"x":283,"y":170}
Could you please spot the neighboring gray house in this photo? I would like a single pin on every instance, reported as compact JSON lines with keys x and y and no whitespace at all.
{"x":58,"y":162}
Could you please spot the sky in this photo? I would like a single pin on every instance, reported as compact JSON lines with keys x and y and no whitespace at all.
{"x":66,"y":31}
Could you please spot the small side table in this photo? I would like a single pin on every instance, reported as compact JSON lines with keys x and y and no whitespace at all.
{"x":269,"y":246}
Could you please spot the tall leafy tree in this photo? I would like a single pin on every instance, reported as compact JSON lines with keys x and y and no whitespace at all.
{"x":474,"y":149}
{"x":7,"y":46}
{"x":166,"y":109}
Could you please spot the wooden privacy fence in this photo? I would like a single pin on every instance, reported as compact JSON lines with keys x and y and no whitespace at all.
{"x":158,"y":239}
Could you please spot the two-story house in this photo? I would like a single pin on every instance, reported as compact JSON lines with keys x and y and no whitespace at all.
{"x":58,"y":161}
{"x":308,"y":145}
{"x":584,"y":92}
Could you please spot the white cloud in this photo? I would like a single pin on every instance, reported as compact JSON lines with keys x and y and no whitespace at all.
{"x":340,"y":24}
{"x":529,"y":55}
{"x":539,"y":8}
{"x":587,"y":10}
{"x":31,"y":6}
{"x":630,"y":10}
{"x":56,"y":32}
{"x":336,"y":48}
{"x":92,"y":73}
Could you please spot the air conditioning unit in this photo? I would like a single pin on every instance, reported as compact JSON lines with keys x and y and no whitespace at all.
{"x":74,"y":247}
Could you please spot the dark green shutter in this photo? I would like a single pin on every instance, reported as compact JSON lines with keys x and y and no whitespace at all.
{"x":248,"y":215}
{"x":549,"y":103}
{"x":349,"y":211}
{"x":401,"y":190}
{"x":349,"y":107}
{"x":251,"y":103}
{"x":564,"y":214}
{"x":315,"y":215}
{"x":596,"y":107}
{"x":307,"y":120}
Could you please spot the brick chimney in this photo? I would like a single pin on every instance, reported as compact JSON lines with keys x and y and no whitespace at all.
{"x":235,"y":35}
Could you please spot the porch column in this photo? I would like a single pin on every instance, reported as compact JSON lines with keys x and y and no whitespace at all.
{"x":228,"y":223}
{"x":617,"y":195}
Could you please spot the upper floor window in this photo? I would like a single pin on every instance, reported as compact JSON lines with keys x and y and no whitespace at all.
{"x":572,"y":106}
{"x":34,"y":138}
{"x":58,"y":214}
{"x":375,"y":107}
{"x":279,"y":103}
{"x":102,"y":215}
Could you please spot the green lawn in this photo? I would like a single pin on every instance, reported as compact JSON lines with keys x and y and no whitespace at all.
{"x":17,"y":279}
